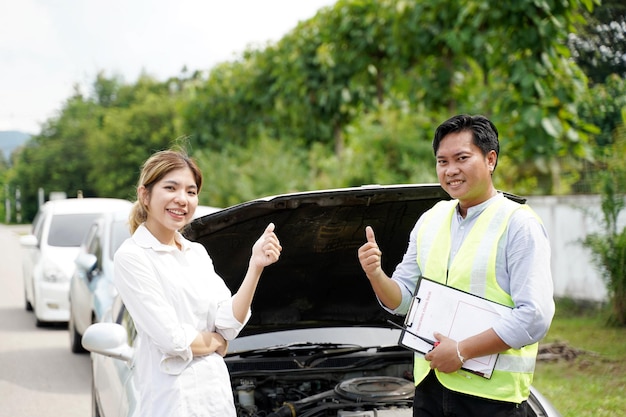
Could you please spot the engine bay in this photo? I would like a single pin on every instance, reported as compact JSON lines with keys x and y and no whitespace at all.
{"x":359,"y":386}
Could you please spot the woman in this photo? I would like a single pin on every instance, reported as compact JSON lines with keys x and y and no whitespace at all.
{"x":183,"y":311}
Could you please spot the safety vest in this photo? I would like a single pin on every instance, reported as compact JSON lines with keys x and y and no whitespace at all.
{"x":474,"y":270}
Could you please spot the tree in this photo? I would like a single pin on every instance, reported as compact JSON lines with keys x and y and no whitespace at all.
{"x":599,"y":47}
{"x":143,"y":118}
{"x":57,"y":158}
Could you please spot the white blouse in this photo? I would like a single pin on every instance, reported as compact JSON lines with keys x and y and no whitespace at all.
{"x":172,"y":295}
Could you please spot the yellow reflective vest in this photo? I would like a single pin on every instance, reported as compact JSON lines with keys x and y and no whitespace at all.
{"x":474,"y":270}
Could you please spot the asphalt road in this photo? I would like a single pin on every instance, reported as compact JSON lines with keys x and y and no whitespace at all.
{"x":39,"y":375}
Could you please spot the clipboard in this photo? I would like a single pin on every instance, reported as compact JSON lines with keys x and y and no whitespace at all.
{"x":457,"y":314}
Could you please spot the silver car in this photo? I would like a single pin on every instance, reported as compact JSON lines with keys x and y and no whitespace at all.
{"x":91,"y":287}
{"x":318,"y":343}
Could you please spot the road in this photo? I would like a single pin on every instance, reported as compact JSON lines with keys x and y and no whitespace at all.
{"x":39,"y":375}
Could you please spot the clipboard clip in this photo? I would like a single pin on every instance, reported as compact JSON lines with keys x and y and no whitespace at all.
{"x":409,"y":319}
{"x":433,"y":343}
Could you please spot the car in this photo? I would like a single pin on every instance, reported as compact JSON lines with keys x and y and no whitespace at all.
{"x":91,"y":287}
{"x":48,"y":253}
{"x":318,"y":342}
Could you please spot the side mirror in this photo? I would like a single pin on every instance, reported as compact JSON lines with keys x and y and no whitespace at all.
{"x":29,"y":241}
{"x":87,"y":262}
{"x":108,"y":339}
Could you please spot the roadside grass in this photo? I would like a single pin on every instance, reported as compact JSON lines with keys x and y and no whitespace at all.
{"x":591,"y":383}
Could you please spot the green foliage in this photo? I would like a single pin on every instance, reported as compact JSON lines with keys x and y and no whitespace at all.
{"x":240,"y":173}
{"x":348,"y":97}
{"x":388,"y":147}
{"x":126,"y":138}
{"x":57,"y":159}
{"x":599,"y":361}
{"x":608,"y":249}
{"x":599,"y":47}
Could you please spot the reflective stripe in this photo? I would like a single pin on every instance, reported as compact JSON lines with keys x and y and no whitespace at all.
{"x":512,"y":363}
{"x":426,"y":236}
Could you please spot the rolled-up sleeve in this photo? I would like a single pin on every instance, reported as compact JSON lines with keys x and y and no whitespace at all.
{"x":225,"y":322}
{"x":527,"y":264}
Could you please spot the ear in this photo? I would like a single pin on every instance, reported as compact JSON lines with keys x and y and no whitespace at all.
{"x":492,"y":158}
{"x":142,"y":195}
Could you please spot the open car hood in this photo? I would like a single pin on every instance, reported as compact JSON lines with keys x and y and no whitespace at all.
{"x":318,"y":281}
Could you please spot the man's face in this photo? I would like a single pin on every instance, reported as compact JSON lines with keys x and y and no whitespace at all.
{"x":463,"y":171}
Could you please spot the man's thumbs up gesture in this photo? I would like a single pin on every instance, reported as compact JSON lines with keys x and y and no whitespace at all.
{"x":386,"y":289}
{"x":370,"y":254}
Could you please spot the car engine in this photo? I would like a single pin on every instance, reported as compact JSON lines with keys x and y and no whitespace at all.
{"x":372,"y":386}
{"x":356,"y":397}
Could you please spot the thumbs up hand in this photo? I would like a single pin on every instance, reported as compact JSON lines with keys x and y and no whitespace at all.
{"x":370,"y":254}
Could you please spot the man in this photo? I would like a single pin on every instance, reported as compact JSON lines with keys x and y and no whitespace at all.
{"x":483,"y":243}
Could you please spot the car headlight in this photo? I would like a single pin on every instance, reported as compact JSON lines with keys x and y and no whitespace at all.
{"x":52,"y":272}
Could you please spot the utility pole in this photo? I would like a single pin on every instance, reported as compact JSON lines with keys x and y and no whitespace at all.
{"x":7,"y":205}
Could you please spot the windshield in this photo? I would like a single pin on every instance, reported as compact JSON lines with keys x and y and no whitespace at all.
{"x":119,"y":233}
{"x":68,"y":230}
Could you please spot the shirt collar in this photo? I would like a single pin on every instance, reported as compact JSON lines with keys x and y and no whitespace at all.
{"x":474,"y":211}
{"x":145,"y":239}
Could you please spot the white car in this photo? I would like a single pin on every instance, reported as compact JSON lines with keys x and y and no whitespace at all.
{"x":318,"y":344}
{"x":48,"y":253}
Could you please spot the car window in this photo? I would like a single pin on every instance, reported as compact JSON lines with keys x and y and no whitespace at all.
{"x":90,"y":236}
{"x":119,"y":233}
{"x":127,"y":322}
{"x":68,"y":230}
{"x":95,"y":248}
{"x":37,"y":224}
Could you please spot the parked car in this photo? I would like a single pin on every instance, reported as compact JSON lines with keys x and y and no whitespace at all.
{"x":318,"y":343}
{"x":48,"y":253}
{"x":91,"y":287}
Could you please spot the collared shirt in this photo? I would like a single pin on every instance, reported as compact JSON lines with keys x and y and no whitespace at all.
{"x":522,"y":270}
{"x":172,"y":295}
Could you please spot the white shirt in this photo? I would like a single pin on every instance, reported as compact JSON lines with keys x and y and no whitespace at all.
{"x":522,"y":270}
{"x":172,"y":295}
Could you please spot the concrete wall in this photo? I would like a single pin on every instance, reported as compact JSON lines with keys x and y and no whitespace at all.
{"x":568,"y":219}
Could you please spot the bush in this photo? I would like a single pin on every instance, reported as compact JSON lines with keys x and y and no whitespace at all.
{"x":608,"y":249}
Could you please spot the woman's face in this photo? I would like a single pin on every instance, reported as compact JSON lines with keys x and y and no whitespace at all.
{"x":172,"y":203}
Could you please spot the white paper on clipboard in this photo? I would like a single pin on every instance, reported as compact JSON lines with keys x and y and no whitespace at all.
{"x":453,"y":313}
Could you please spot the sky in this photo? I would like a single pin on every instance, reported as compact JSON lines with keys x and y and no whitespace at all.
{"x":48,"y":46}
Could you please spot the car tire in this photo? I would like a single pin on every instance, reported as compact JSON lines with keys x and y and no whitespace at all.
{"x":27,"y":305}
{"x":75,"y":337}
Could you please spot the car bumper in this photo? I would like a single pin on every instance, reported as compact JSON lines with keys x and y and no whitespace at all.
{"x":52,"y":301}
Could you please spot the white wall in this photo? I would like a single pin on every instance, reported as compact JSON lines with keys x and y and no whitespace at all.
{"x":568,"y":219}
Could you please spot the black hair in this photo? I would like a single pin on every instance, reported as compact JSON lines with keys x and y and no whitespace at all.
{"x":484,"y":132}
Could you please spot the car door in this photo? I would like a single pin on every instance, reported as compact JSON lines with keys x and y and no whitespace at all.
{"x":113,"y":383}
{"x":82,"y":298}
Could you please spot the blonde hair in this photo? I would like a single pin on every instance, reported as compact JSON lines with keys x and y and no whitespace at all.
{"x":152,"y":171}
